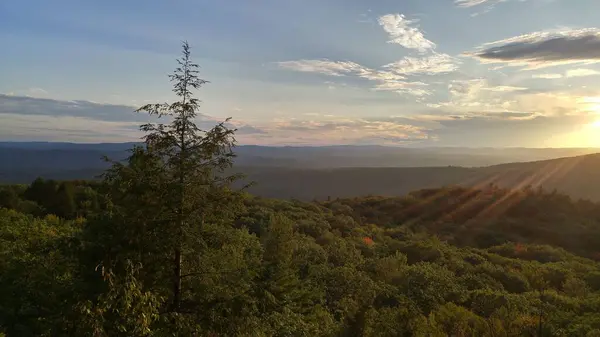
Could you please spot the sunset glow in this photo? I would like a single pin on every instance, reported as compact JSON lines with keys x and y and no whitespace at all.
{"x":310,"y":72}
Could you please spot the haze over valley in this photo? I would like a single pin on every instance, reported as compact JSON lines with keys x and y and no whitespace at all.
{"x":309,"y":173}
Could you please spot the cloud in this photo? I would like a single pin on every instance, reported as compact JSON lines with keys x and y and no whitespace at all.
{"x":31,"y":118}
{"x":387,"y":80}
{"x":429,"y":65}
{"x":339,"y":68}
{"x":247,"y":129}
{"x":404,"y":32}
{"x":503,"y":88}
{"x":537,"y":131}
{"x":382,"y":76}
{"x":391,"y":77}
{"x":29,"y":92}
{"x":38,"y":91}
{"x":25,"y":127}
{"x":489,"y":5}
{"x":25,"y":105}
{"x":324,"y":66}
{"x":543,"y":49}
{"x":466,"y":90}
{"x":348,"y":131}
{"x":547,"y":76}
{"x":581,"y":72}
{"x":470,"y":3}
{"x":478,"y":95}
{"x":411,"y":88}
{"x":447,"y":126}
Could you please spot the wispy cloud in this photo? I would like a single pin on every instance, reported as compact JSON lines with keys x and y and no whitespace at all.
{"x":472,"y":3}
{"x":38,"y":117}
{"x":405,"y":32}
{"x":543,"y":49}
{"x":381,"y":76}
{"x":504,"y":88}
{"x":245,"y":129}
{"x":26,"y":105}
{"x":466,"y":89}
{"x":547,"y":76}
{"x":350,"y":131}
{"x":392,"y":77}
{"x":434,"y":64}
{"x":478,"y":97}
{"x":488,"y":5}
{"x":411,"y":88}
{"x":578,"y":72}
{"x":20,"y":127}
{"x":581,"y":72}
{"x":339,"y":68}
{"x":386,"y":80}
{"x":324,"y":66}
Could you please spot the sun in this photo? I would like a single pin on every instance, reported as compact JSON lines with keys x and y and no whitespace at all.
{"x":595,"y":124}
{"x":590,"y":134}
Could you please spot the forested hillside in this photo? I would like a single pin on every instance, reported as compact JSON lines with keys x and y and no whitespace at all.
{"x":166,"y":244}
{"x":574,"y":176}
{"x":443,"y":262}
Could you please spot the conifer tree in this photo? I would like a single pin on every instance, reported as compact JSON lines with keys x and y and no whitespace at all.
{"x":174,"y":183}
{"x":64,"y":201}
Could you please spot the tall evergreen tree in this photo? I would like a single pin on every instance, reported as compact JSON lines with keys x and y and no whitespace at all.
{"x":170,"y":186}
{"x":64,"y":201}
{"x":8,"y":198}
{"x":43,"y":192}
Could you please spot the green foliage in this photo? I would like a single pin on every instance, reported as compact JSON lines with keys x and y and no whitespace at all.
{"x":257,"y":268}
{"x":126,"y":309}
{"x":453,"y":320}
{"x":36,"y":273}
{"x":64,"y":203}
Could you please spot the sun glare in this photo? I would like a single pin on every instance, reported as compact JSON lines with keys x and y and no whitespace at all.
{"x":595,"y":124}
{"x":590,"y":134}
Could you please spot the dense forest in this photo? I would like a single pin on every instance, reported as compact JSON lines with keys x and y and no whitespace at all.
{"x":164,"y":245}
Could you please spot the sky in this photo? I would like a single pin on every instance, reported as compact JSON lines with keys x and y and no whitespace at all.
{"x":477,"y":73}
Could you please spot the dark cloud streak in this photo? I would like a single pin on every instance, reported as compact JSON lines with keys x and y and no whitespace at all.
{"x":32,"y":106}
{"x":25,"y":105}
{"x":564,"y":47}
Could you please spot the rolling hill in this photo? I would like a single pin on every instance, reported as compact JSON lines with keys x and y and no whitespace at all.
{"x":307,"y":173}
{"x":578,"y":177}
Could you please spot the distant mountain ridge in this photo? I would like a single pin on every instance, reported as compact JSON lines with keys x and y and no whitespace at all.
{"x":338,"y":171}
{"x":80,"y":155}
{"x":578,"y":177}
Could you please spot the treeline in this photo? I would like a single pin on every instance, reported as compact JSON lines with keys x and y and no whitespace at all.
{"x":468,"y":217}
{"x":164,"y":246}
{"x":66,"y":199}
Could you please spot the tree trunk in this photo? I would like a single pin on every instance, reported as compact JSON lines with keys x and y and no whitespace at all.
{"x":180,"y":217}
{"x":541,"y":318}
{"x":177,"y":280}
